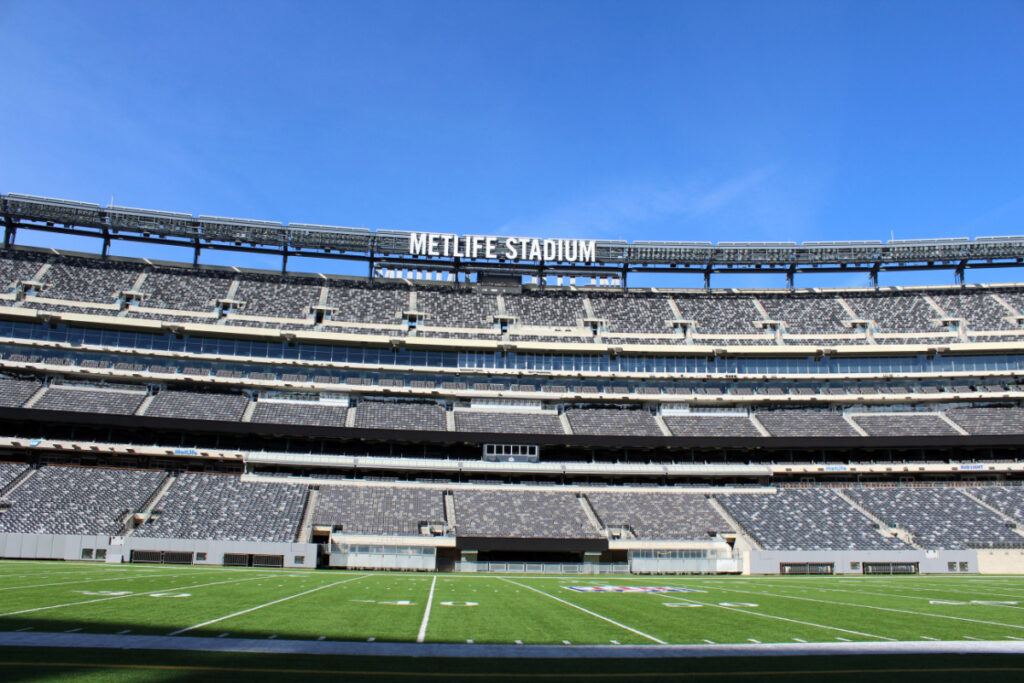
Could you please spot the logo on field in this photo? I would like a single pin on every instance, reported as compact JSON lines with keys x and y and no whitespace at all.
{"x":632,"y":589}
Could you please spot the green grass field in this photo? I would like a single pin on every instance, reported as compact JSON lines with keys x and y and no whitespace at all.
{"x":321,"y":606}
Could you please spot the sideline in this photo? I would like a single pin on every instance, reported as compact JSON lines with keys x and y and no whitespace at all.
{"x":461,"y":650}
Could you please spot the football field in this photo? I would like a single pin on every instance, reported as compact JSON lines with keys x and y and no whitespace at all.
{"x":509,"y":610}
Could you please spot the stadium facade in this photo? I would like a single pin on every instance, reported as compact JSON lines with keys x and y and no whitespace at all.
{"x":441,"y":414}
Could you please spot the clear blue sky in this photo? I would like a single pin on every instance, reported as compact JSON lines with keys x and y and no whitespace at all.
{"x":633,"y":120}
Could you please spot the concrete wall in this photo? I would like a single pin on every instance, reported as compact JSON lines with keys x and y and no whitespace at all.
{"x":930,"y":561}
{"x":69,"y":547}
{"x":1001,"y":561}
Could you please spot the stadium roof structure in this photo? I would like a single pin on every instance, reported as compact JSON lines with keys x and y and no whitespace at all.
{"x":391,"y":248}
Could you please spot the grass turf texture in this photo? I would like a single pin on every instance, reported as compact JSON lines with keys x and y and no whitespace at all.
{"x":354,"y":606}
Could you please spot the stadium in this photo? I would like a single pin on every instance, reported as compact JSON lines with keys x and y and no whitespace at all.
{"x":487,"y":415}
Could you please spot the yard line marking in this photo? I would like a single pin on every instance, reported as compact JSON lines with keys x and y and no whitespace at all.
{"x":120,"y":597}
{"x":971,"y":638}
{"x":27,"y":628}
{"x":857,"y":604}
{"x":519,"y":642}
{"x":615,"y":642}
{"x":913,"y":597}
{"x":792,"y":621}
{"x":754,"y":640}
{"x":426,"y":613}
{"x":582,"y":609}
{"x":845,"y":640}
{"x":370,"y":639}
{"x":68,"y":583}
{"x":709,"y":642}
{"x":928,"y":638}
{"x":224,"y":635}
{"x":121,"y":633}
{"x":800,"y":640}
{"x":1013,"y":638}
{"x":266,"y":604}
{"x":73,"y":630}
{"x":322,"y":638}
{"x":566,"y":642}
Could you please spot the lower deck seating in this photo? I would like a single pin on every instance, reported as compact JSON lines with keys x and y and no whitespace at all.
{"x":222,"y":506}
{"x":77,"y":500}
{"x":937,"y":517}
{"x":521,"y":514}
{"x":379,"y":510}
{"x":9,"y":471}
{"x":658,"y":516}
{"x":805,"y":519}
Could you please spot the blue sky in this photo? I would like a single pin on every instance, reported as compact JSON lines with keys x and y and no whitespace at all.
{"x":675,"y":120}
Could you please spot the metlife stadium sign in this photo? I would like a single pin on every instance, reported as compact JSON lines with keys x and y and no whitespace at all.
{"x":504,"y":248}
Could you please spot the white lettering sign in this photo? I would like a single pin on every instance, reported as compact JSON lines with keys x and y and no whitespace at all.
{"x":503,"y":248}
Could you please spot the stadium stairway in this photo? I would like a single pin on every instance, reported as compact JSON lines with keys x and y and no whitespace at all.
{"x":665,"y":431}
{"x":1002,"y":515}
{"x":140,"y":517}
{"x":880,"y":526}
{"x":566,"y":427}
{"x":758,"y":426}
{"x":749,"y":538}
{"x":144,"y":406}
{"x":306,"y":526}
{"x":588,"y":510}
{"x":18,"y":481}
{"x":449,"y":512}
{"x":853,"y":423}
{"x":948,"y":420}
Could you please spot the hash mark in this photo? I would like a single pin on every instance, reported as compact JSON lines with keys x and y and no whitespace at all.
{"x":709,"y":642}
{"x":615,"y":642}
{"x":121,"y":633}
{"x":754,"y":640}
{"x":224,"y":635}
{"x":322,"y":638}
{"x":845,"y":640}
{"x":27,"y":628}
{"x":928,"y":638}
{"x":800,"y":640}
{"x":73,"y":630}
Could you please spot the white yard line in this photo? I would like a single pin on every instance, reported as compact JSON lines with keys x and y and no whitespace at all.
{"x":792,"y":621}
{"x":68,"y":583}
{"x":583,"y":609}
{"x":426,"y":613}
{"x":130,"y":595}
{"x":266,"y":604}
{"x":855,"y":604}
{"x":932,"y":588}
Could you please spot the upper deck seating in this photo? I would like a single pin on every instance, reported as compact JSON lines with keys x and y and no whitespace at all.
{"x":507,"y":422}
{"x":809,"y":423}
{"x":194,"y":405}
{"x":399,"y":415}
{"x":612,"y":422}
